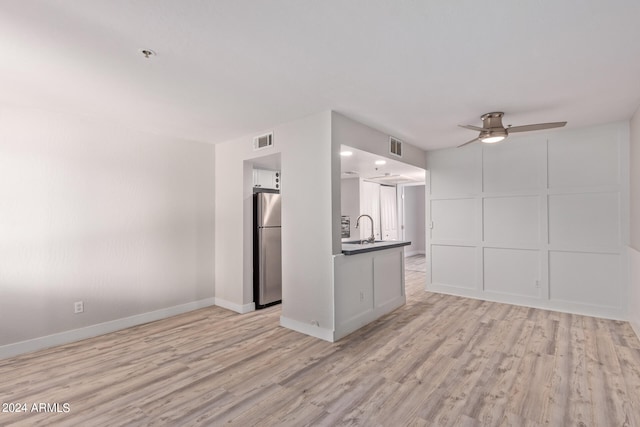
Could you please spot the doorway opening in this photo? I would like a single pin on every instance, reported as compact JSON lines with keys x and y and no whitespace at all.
{"x":262,"y":256}
{"x":412,"y":220}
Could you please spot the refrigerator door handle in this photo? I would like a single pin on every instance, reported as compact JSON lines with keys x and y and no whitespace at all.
{"x":270,"y":268}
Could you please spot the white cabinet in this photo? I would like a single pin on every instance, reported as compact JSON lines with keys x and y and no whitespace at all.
{"x":388,"y":213}
{"x":370,"y":205}
{"x":354,"y":289}
{"x":269,"y":179}
{"x":366,"y":286}
{"x":379,"y":201}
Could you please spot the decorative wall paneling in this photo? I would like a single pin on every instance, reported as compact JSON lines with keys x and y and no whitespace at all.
{"x":540,"y":220}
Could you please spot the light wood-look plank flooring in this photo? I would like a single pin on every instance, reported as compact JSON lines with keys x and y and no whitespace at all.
{"x":415,"y":263}
{"x":440,"y":360}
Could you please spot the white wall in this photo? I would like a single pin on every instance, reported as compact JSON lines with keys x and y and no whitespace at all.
{"x":634,"y":247}
{"x":540,"y":220}
{"x":356,"y":135}
{"x":414,"y":218}
{"x":310,"y":222}
{"x":119,"y":219}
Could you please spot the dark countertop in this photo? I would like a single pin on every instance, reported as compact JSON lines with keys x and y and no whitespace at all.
{"x":359,"y":248}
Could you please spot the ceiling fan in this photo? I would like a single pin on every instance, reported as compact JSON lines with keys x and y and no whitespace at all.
{"x":493,"y":130}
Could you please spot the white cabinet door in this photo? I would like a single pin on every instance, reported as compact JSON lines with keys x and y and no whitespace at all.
{"x":388,"y":213}
{"x":370,"y":205}
{"x":266,"y":179}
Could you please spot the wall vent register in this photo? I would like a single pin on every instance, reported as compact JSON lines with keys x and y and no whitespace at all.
{"x":263,"y":141}
{"x":395,"y":146}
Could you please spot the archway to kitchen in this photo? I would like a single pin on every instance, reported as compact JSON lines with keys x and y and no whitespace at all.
{"x":393,"y":194}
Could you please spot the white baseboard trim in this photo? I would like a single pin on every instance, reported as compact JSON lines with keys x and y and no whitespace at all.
{"x":362,"y":319}
{"x":307,"y":329}
{"x":91,"y":331}
{"x":636,"y":328}
{"x":414,"y":252}
{"x":560,"y":306}
{"x":242,"y":309}
{"x":353,"y":324}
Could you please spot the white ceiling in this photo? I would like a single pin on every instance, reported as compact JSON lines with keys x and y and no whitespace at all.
{"x":414,"y":69}
{"x":361,"y":164}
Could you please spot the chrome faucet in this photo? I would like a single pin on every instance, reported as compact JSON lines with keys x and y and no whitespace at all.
{"x":372,"y":238}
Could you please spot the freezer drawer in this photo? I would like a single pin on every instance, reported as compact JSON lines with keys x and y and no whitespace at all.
{"x":270,"y":265}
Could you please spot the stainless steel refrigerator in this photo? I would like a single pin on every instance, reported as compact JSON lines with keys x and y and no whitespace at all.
{"x":267,"y":253}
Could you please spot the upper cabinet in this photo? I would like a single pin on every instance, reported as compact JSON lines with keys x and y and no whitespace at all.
{"x":388,"y":213}
{"x":370,"y":205}
{"x":267,"y":179}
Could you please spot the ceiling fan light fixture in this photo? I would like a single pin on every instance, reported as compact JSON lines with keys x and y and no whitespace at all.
{"x":492,"y":136}
{"x":492,"y":139}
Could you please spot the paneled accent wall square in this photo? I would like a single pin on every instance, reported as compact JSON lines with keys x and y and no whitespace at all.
{"x":512,"y":271}
{"x":456,"y":172}
{"x":454,"y":220}
{"x":512,"y":220}
{"x":585,"y":219}
{"x":587,"y":278}
{"x":454,"y":265}
{"x":516,"y":166}
{"x":585,"y":158}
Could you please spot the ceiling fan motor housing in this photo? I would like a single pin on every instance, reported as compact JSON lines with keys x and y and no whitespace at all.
{"x":492,"y":120}
{"x":493,"y":131}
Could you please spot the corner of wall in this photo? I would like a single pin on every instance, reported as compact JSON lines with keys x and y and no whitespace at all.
{"x":634,"y":226}
{"x":238,"y":308}
{"x":634,"y":290}
{"x":634,"y":181}
{"x":315,"y":331}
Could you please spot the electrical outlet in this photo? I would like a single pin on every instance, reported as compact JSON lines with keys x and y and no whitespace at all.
{"x":361,"y":296}
{"x":537,"y":283}
{"x":78,"y":307}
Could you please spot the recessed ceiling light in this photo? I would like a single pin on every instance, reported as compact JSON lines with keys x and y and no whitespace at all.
{"x":346,"y":153}
{"x":380,"y":162}
{"x":148,"y":53}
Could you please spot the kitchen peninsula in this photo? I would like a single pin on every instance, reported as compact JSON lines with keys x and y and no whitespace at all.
{"x":368,"y":283}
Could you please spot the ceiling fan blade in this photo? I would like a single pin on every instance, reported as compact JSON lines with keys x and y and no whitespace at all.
{"x":539,"y":126}
{"x":469,"y":142}
{"x":470,"y":127}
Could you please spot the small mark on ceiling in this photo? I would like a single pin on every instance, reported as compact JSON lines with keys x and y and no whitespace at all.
{"x":148,"y":53}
